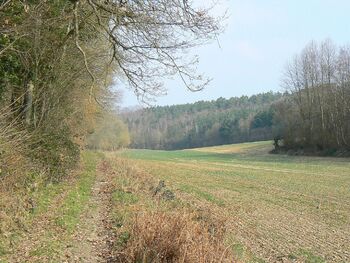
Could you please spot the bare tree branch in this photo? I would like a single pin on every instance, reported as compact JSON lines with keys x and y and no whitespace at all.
{"x":76,"y":24}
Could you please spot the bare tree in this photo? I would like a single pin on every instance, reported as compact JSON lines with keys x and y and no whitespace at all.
{"x":149,"y":38}
{"x":318,"y":80}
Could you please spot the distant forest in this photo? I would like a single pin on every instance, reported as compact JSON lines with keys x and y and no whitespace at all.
{"x":311,"y":116}
{"x":204,"y":123}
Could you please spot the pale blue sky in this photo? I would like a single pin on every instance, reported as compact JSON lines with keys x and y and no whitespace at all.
{"x":260,"y":37}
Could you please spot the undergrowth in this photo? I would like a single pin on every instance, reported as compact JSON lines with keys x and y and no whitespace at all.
{"x":31,"y":174}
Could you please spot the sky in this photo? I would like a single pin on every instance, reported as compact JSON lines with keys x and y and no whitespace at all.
{"x":260,"y":37}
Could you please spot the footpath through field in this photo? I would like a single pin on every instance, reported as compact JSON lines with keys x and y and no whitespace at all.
{"x":72,"y":221}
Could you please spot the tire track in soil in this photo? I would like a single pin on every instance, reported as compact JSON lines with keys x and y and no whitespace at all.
{"x":34,"y":233}
{"x":93,"y":239}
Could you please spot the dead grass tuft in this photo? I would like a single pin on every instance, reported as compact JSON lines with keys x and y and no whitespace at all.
{"x":153,"y":230}
{"x":160,"y":237}
{"x":135,"y":179}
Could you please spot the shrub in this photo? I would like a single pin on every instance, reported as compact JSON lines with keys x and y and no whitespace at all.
{"x":56,"y":152}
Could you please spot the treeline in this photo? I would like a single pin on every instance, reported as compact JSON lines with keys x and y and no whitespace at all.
{"x":54,"y":74}
{"x":203,"y":123}
{"x":316,"y":115}
{"x":58,"y":60}
{"x":110,"y":134}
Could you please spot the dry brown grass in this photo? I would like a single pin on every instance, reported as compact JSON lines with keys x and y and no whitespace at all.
{"x":13,"y":164}
{"x":161,"y":237}
{"x":158,"y":231}
{"x":16,"y":180}
{"x":134,"y":179}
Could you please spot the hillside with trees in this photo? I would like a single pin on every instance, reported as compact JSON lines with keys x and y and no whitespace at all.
{"x":71,"y":192}
{"x":312,"y":115}
{"x":204,"y":123}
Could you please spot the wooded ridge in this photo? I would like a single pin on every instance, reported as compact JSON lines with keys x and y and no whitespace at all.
{"x":204,"y":123}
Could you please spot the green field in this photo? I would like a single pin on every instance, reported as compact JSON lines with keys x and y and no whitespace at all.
{"x":278,"y":207}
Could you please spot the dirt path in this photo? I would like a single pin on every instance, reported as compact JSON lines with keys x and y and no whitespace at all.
{"x":35,"y":236}
{"x":76,"y":226}
{"x":92,"y":239}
